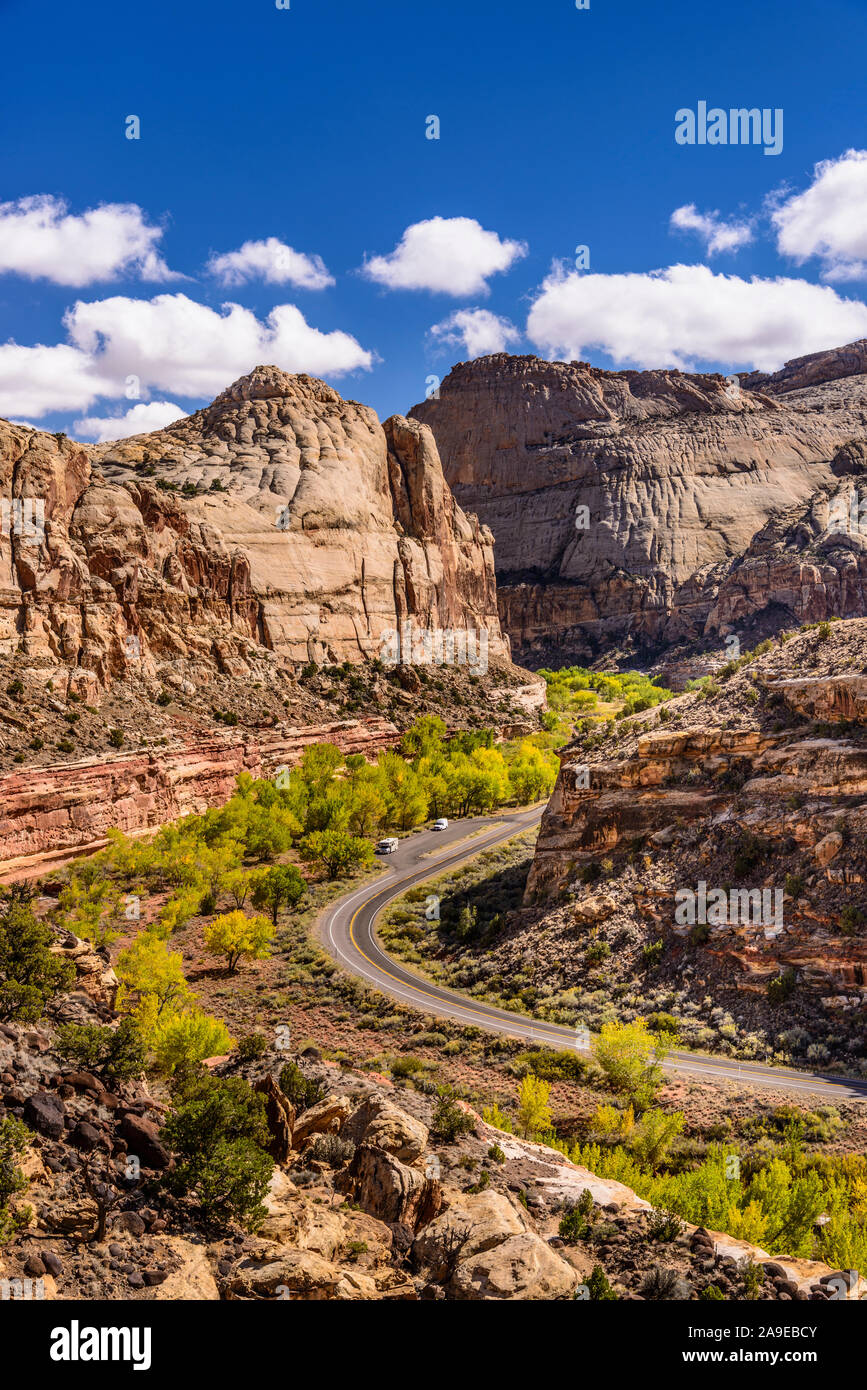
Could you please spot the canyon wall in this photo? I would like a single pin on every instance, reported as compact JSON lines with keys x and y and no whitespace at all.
{"x":659,"y":507}
{"x":47,"y":814}
{"x":759,"y":784}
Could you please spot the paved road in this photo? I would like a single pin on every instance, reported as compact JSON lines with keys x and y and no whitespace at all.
{"x":347,"y":931}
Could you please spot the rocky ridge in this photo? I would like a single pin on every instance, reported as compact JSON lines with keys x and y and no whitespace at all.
{"x":758,"y":782}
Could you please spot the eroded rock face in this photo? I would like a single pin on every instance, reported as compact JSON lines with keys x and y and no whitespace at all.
{"x":706,"y":504}
{"x":757,"y":785}
{"x":280,"y":517}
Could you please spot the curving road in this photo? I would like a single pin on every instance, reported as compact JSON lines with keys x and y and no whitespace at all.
{"x":347,"y":931}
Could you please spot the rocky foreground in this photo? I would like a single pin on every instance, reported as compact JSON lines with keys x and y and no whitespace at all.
{"x":638,"y":511}
{"x":367,"y":1199}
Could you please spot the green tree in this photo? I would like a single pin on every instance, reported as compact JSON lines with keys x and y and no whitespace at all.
{"x":534,"y":1113}
{"x":30,"y":974}
{"x":630,"y":1056}
{"x":182,"y":1039}
{"x":654,"y":1135}
{"x":423,"y":738}
{"x":278,"y":887}
{"x":319,"y":763}
{"x":336,"y":851}
{"x":367,"y":809}
{"x":148,"y":968}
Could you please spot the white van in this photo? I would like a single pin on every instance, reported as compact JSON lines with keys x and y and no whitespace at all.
{"x":386,"y":846}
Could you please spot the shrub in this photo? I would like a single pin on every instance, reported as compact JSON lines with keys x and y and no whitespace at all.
{"x":664,"y":1225}
{"x":449,"y":1120}
{"x":219,"y":1134}
{"x":116,"y":738}
{"x":298,"y":1089}
{"x":661,"y":1285}
{"x":598,"y":1288}
{"x":14,"y":1139}
{"x":251,"y":1046}
{"x":115,"y":1054}
{"x":781,"y":987}
{"x":575,"y":1223}
{"x":330,"y":1149}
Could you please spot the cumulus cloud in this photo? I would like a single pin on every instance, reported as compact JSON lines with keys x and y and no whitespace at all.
{"x":169,"y":343}
{"x":42,"y":240}
{"x":448,"y":255}
{"x":272,"y":261}
{"x":829,"y":219}
{"x":687,"y":315}
{"x":36,"y":380}
{"x":717,"y":234}
{"x":477,"y":330}
{"x":140,"y":419}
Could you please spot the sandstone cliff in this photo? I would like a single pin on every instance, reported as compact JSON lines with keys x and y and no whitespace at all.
{"x":679,"y":477}
{"x":280,"y":519}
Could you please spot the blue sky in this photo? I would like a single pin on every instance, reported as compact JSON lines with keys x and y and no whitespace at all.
{"x":300,"y":136}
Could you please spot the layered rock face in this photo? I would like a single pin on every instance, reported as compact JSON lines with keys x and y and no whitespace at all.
{"x":280,"y":519}
{"x":658,"y":507}
{"x":50,"y":813}
{"x":757,"y":785}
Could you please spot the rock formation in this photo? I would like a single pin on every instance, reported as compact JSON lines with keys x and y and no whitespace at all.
{"x":656,"y":508}
{"x":279,"y":519}
{"x":756,"y":783}
{"x":49,"y":814}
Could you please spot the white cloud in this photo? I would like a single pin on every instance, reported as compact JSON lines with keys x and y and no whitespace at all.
{"x":173,"y":344}
{"x":36,"y":380}
{"x":169,"y":343}
{"x":449,"y":255}
{"x":717,"y":234}
{"x":478,"y":330}
{"x":272,"y":261}
{"x":140,"y":419}
{"x":42,"y":240}
{"x":687,"y":315}
{"x":829,"y":219}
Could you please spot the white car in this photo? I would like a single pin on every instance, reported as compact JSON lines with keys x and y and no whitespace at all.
{"x":441,"y":824}
{"x":387,"y":846}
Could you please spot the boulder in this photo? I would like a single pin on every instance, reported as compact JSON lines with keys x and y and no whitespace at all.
{"x":521,"y":1267}
{"x":386,"y":1188}
{"x":377,"y":1121}
{"x":143,"y":1141}
{"x":472,"y":1224}
{"x":326,"y":1117}
{"x":45,"y":1112}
